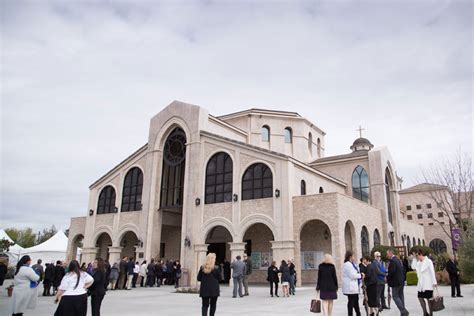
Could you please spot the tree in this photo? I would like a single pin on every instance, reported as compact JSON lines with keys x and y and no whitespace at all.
{"x":23,"y":237}
{"x":452,"y":190}
{"x":46,"y":234}
{"x":5,"y":245}
{"x":466,"y":253}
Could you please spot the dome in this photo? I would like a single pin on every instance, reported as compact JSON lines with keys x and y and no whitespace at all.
{"x":362,"y":143}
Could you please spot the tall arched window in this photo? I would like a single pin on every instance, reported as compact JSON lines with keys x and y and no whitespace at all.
{"x":265,"y":133}
{"x":364,"y":237}
{"x":219,"y":179}
{"x":303,"y":187}
{"x":288,"y":135}
{"x":321,"y":190}
{"x":376,"y":237}
{"x":438,"y":246}
{"x":414,"y":242}
{"x":408,"y":244}
{"x":257,"y":182}
{"x":360,"y":184}
{"x":106,"y":203}
{"x":388,"y":187}
{"x":419,"y":242}
{"x":318,"y":144}
{"x":174,"y":163}
{"x":310,"y":143}
{"x":132,"y":190}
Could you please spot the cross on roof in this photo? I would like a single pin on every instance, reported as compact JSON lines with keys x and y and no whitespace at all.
{"x":360,"y":129}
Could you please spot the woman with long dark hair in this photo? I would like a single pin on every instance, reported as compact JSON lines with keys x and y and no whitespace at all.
{"x":285,"y":278}
{"x":25,"y":287}
{"x":97,"y":290}
{"x":72,"y":293}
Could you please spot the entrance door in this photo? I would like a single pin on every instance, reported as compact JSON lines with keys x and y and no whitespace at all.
{"x":219,"y":250}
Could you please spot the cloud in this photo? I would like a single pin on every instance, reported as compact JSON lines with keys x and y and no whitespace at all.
{"x":80,"y":81}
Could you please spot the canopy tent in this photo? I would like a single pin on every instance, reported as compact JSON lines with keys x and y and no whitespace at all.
{"x":51,"y":250}
{"x":14,"y":252}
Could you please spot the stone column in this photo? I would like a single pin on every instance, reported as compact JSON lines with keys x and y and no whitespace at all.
{"x":201,"y":252}
{"x":114,"y":254}
{"x":236,"y":249}
{"x":283,"y":250}
{"x":89,"y":254}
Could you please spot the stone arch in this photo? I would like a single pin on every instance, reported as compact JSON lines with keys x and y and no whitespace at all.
{"x":103,"y":242}
{"x":256,"y":219}
{"x":100,"y":230}
{"x":129,"y":241}
{"x":167,"y":128}
{"x":77,"y":242}
{"x":365,"y":241}
{"x":247,"y":165}
{"x":350,"y":237}
{"x":315,"y":240}
{"x":125,"y":229}
{"x":217,"y":221}
{"x":218,"y":239}
{"x":438,"y":246}
{"x":258,"y":237}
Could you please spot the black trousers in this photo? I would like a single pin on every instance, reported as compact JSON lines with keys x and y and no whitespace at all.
{"x":206,"y":301}
{"x":134,"y":280}
{"x":271,"y":288}
{"x":96,"y":301}
{"x":353,"y":304}
{"x":455,"y":285}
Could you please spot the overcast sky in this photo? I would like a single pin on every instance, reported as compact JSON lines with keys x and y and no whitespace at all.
{"x":81,"y":80}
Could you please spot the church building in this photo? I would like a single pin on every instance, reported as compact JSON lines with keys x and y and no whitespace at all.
{"x":255,"y":181}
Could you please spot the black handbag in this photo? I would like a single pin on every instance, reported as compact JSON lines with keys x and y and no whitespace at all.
{"x":315,"y":306}
{"x":436,"y":302}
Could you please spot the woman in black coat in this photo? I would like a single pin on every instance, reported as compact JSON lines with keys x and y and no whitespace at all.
{"x":326,"y":286}
{"x":97,"y":290}
{"x":272,"y":277}
{"x":285,"y":278}
{"x":209,"y":291}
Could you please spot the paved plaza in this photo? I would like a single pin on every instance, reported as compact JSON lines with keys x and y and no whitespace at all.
{"x":163,"y":301}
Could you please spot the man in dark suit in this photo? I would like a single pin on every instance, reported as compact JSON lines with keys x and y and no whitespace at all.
{"x":396,"y":281}
{"x":453,"y":270}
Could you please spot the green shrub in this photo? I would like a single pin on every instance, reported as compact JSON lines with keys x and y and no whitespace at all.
{"x":383,"y":251}
{"x":412,"y":278}
{"x":440,"y":261}
{"x":426,"y":250}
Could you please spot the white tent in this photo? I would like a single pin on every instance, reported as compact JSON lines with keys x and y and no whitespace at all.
{"x":15,"y":251}
{"x":51,"y":250}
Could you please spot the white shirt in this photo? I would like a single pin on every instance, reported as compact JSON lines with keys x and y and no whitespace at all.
{"x":425,"y":273}
{"x":69,"y":282}
{"x":136,"y":269}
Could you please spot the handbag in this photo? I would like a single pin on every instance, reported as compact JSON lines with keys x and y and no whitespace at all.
{"x":436,"y":302}
{"x":315,"y":306}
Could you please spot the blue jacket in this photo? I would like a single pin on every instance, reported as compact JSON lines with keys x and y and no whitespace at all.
{"x":382,"y":274}
{"x":130,"y":267}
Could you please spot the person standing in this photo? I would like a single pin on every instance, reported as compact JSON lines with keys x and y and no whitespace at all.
{"x":272,"y":278}
{"x":426,"y":280}
{"x":351,"y":278}
{"x":326,"y":286}
{"x":209,"y":289}
{"x":114,"y":275}
{"x":238,"y":272}
{"x":380,"y":281}
{"x":248,"y":272}
{"x":39,"y":269}
{"x":59,"y":273}
{"x":226,"y":271}
{"x":97,"y":290}
{"x":25,"y":284}
{"x":136,"y":270}
{"x":130,"y":271}
{"x":370,"y":280}
{"x":72,"y":292}
{"x":122,"y":273}
{"x":3,"y":271}
{"x":107,"y":273}
{"x":291,"y":266}
{"x":285,"y":278}
{"x":177,"y":272}
{"x":48,"y":278}
{"x":396,"y":281}
{"x":142,"y":274}
{"x":453,"y":271}
{"x":159,"y":273}
{"x":150,"y":270}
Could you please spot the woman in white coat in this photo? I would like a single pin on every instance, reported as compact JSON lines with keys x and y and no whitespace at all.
{"x":25,"y":287}
{"x":351,"y":279}
{"x":426,"y":280}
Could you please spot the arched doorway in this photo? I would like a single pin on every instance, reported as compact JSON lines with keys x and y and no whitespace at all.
{"x":103,"y":243}
{"x":438,"y":246}
{"x":258,"y":247}
{"x":76,"y":249}
{"x":364,"y":239}
{"x":218,"y":239}
{"x":349,"y":236}
{"x":316,"y":240}
{"x":128,"y":243}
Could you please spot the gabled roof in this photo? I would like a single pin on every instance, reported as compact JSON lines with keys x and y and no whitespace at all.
{"x":354,"y":154}
{"x":259,"y":111}
{"x":56,"y":243}
{"x":423,"y":187}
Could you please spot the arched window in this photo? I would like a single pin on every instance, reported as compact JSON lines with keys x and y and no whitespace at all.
{"x":376,"y":237}
{"x":408,"y":244}
{"x":318,"y":144}
{"x":219,"y":179}
{"x":288,"y":135}
{"x":257,"y":182}
{"x":321,"y":190}
{"x":423,"y":242}
{"x":388,"y":187}
{"x":364,"y":237}
{"x":132,"y":190}
{"x":419,"y":242}
{"x":310,"y":143}
{"x":414,"y":242}
{"x":106,"y":203}
{"x":174,"y":163}
{"x":438,"y":246}
{"x":265,"y":133}
{"x":303,"y":187}
{"x":360,"y":184}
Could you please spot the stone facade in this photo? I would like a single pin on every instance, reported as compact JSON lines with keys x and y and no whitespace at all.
{"x":287,"y":224}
